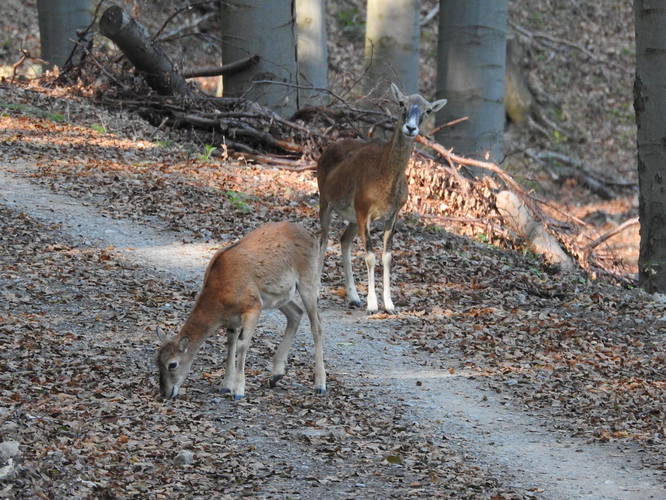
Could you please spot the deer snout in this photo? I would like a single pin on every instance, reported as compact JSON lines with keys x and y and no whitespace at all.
{"x":410,"y":130}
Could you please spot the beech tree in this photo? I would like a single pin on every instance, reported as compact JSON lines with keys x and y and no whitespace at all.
{"x":471,"y":59}
{"x":58,"y":22}
{"x":392,"y":45}
{"x":267,"y":29}
{"x":312,"y":51}
{"x":649,"y":104}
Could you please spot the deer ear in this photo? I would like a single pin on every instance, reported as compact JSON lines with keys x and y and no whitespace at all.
{"x":397,"y":95}
{"x":183,"y":344}
{"x":160,"y":334}
{"x":437,"y":105}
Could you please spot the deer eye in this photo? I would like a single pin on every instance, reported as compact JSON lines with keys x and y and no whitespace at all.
{"x":173,"y":365}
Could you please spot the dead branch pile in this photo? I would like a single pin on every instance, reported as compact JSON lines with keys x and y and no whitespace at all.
{"x":439,"y":189}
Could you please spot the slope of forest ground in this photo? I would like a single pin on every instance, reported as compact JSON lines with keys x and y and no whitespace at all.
{"x":587,"y":355}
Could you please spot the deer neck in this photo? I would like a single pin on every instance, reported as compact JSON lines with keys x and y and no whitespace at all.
{"x":197,"y":329}
{"x":399,"y":151}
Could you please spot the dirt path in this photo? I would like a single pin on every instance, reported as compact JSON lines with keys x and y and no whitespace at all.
{"x":492,"y":432}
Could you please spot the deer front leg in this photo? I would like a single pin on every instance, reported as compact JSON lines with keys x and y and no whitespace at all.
{"x":230,"y":369}
{"x":364,"y":237}
{"x":249,"y":324}
{"x":346,"y":243}
{"x":386,"y":264}
{"x":293,"y":314}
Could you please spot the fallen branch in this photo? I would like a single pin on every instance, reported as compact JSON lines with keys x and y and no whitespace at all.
{"x":282,"y":163}
{"x":606,"y":236}
{"x":133,"y":39}
{"x":539,"y":240}
{"x":593,"y":182}
{"x":227,"y":69}
{"x":560,"y":41}
{"x":491,"y":167}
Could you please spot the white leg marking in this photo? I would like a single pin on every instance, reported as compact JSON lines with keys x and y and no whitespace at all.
{"x":386,"y":268}
{"x":372,"y":296}
{"x":230,"y":370}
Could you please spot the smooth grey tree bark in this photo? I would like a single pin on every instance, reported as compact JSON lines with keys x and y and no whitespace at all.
{"x":58,"y":22}
{"x":649,"y":105}
{"x":265,"y":28}
{"x":471,"y":59}
{"x":392,"y":34}
{"x":312,"y":51}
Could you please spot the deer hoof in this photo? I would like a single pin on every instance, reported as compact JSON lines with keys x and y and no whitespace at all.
{"x":225,"y":390}
{"x":320,"y":390}
{"x":275,"y":379}
{"x":238,"y":397}
{"x":354,"y":303}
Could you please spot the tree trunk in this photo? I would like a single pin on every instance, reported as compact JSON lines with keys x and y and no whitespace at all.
{"x":312,"y":51}
{"x":649,"y":104}
{"x":58,"y":22}
{"x":392,"y":46}
{"x":470,"y":74}
{"x":147,"y":56}
{"x":265,"y":28}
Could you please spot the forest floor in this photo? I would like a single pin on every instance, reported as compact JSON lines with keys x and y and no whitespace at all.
{"x":497,"y":378}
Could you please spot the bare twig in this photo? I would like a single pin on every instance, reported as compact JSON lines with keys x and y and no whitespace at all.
{"x":178,"y":12}
{"x":626,"y":224}
{"x":448,"y":124}
{"x":25,"y":56}
{"x":318,"y":89}
{"x":176,"y":33}
{"x":560,"y":41}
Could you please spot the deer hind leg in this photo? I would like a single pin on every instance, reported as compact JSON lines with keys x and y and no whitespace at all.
{"x":386,"y":264}
{"x":309,"y":293}
{"x":366,"y":243}
{"x":293,"y":314}
{"x":324,"y":222}
{"x":230,"y":370}
{"x":249,"y":324}
{"x":346,"y":243}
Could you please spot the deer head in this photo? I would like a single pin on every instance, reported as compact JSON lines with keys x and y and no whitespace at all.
{"x":174,"y":361}
{"x":414,"y":109}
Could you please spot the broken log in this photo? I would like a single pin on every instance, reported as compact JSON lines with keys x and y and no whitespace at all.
{"x":539,"y":240}
{"x":150,"y":60}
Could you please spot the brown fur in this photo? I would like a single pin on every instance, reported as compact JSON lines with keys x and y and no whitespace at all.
{"x":365,"y":182}
{"x":262,"y":271}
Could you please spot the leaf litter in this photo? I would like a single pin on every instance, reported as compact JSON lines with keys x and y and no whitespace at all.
{"x":587,"y":353}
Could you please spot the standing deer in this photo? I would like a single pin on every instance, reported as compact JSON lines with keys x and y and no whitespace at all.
{"x":366,"y":182}
{"x":262,"y":271}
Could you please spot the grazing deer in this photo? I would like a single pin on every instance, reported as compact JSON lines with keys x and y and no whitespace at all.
{"x":365,"y":182}
{"x":262,"y":271}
